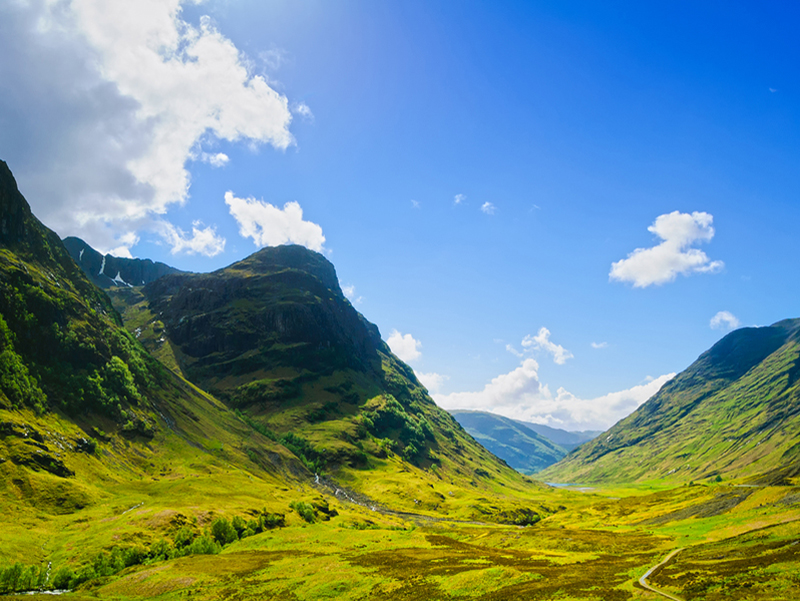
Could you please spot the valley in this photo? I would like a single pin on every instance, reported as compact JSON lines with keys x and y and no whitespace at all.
{"x":247,"y":434}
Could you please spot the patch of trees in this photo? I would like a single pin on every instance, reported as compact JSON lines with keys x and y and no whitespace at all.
{"x":187,"y":540}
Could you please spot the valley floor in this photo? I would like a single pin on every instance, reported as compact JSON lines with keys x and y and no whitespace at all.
{"x":737,"y":543}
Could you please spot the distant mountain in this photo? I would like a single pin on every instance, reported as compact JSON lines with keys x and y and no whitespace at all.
{"x":107,"y":271}
{"x":564,"y":438}
{"x":735,"y":412}
{"x":515,"y":442}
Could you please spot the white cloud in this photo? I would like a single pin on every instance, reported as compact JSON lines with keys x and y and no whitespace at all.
{"x":520,"y":395}
{"x":219,"y":159}
{"x":268,"y":225}
{"x":350,"y":292}
{"x":105,"y":101}
{"x":202,"y":241}
{"x":510,"y":348}
{"x":599,"y":345}
{"x":773,"y":90}
{"x":488,"y":208}
{"x":432,"y":381}
{"x":458,"y":199}
{"x":662,"y":263}
{"x":542,"y":342}
{"x":415,"y":204}
{"x":724,"y":320}
{"x":404,"y":346}
{"x":302,"y":109}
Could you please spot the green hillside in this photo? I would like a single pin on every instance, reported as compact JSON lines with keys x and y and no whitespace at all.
{"x":734,"y":413}
{"x":275,"y":339}
{"x":519,"y":446}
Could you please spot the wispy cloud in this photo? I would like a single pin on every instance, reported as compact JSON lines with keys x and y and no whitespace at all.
{"x":599,"y":345}
{"x":542,"y":342}
{"x":415,"y":204}
{"x":459,"y":198}
{"x":488,"y":208}
{"x":674,"y":256}
{"x":350,"y":292}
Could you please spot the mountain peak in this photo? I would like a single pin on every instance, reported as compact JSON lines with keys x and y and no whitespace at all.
{"x":14,"y":209}
{"x":276,"y":259}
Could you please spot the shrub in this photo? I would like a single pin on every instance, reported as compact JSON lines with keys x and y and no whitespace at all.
{"x":204,"y":545}
{"x":223,"y":531}
{"x":305,"y":511}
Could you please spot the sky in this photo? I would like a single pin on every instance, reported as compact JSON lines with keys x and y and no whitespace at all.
{"x":548,"y":208}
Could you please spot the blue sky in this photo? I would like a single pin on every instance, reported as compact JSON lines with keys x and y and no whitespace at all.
{"x":578,"y":123}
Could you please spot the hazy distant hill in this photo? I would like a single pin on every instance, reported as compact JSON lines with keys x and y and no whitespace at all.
{"x":734,"y":412}
{"x":520,"y":446}
{"x":564,"y":438}
{"x":107,"y":271}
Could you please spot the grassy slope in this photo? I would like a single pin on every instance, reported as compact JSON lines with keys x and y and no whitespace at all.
{"x":312,"y":367}
{"x":735,"y":412}
{"x":522,"y":448}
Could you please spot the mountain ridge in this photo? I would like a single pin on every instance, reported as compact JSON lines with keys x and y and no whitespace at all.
{"x":733,"y":413}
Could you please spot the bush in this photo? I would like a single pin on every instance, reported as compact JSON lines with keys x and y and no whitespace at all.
{"x":223,"y":531}
{"x":204,"y":545}
{"x":62,"y":578}
{"x":305,"y":510}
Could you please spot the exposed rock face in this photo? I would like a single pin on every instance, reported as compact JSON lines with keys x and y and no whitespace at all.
{"x":280,"y":307}
{"x":107,"y":271}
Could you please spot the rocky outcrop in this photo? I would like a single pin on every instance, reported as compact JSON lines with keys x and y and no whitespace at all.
{"x":107,"y":271}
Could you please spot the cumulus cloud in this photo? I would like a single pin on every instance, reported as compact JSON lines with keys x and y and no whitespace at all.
{"x":542,"y":342}
{"x":724,"y":320}
{"x":662,"y":263}
{"x":520,"y":395}
{"x":432,"y":381}
{"x":268,"y":225}
{"x":488,"y":208}
{"x":458,"y":199}
{"x":404,"y":346}
{"x":104,"y":102}
{"x":202,"y":240}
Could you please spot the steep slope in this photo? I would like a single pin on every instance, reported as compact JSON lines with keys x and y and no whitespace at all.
{"x":735,"y":412}
{"x":91,"y":425}
{"x":274,"y":337}
{"x":515,"y":443}
{"x":107,"y":271}
{"x":563,"y":438}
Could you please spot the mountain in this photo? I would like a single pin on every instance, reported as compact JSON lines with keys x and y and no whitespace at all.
{"x":274,"y":337}
{"x":106,"y":271}
{"x":734,"y":413}
{"x":564,"y":438}
{"x":517,"y":444}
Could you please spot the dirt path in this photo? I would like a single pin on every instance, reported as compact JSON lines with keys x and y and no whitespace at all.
{"x":654,"y":569}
